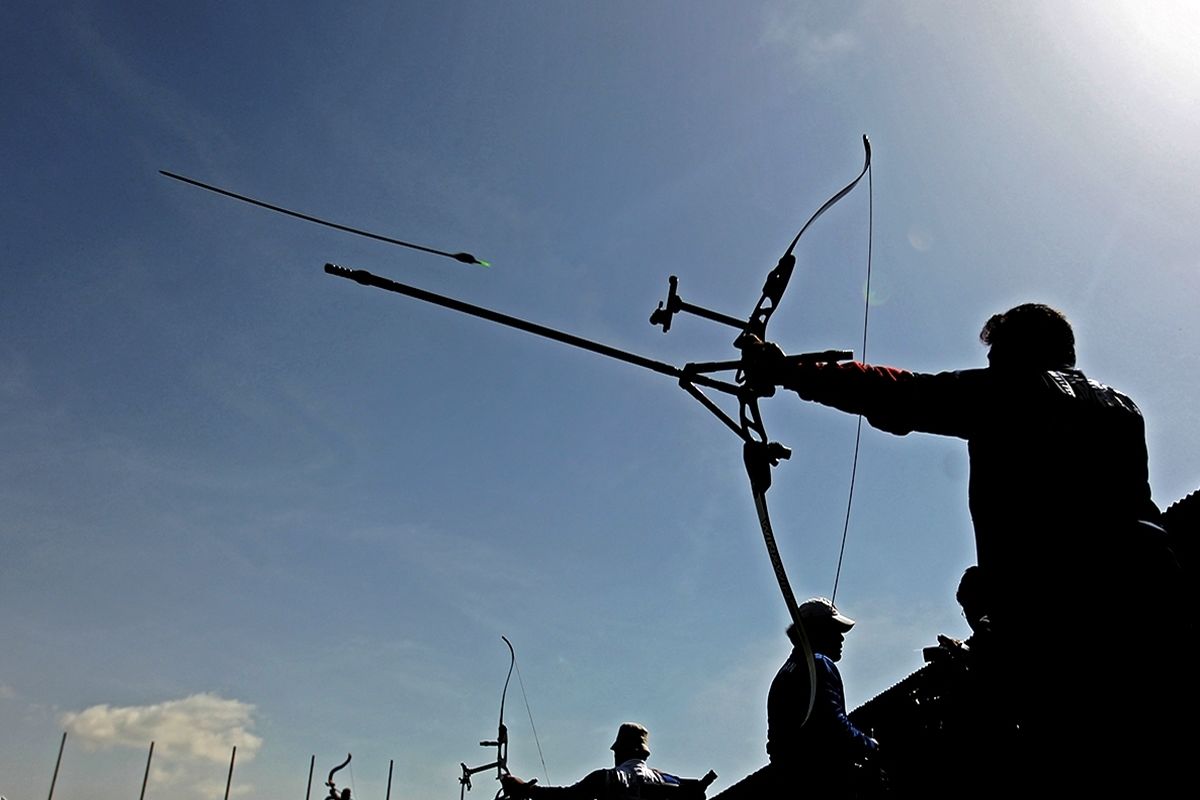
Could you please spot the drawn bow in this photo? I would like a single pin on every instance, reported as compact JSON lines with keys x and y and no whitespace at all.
{"x":759,"y":453}
{"x":333,"y":792}
{"x":500,"y":742}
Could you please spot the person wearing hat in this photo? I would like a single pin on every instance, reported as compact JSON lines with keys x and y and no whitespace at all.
{"x":817,"y":753}
{"x":826,"y":744}
{"x":629,"y":778}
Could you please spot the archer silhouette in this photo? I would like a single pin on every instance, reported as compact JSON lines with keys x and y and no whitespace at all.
{"x":629,"y":777}
{"x":819,"y":752}
{"x":1066,"y":531}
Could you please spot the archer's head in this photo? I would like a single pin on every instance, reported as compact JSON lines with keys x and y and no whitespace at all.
{"x":1030,"y":336}
{"x":973,"y":596}
{"x":825,"y":625}
{"x":633,"y":741}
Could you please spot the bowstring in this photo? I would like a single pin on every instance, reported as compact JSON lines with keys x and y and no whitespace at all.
{"x":866,"y":320}
{"x":524,"y":697}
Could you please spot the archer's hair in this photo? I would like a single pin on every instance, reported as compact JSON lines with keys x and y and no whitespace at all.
{"x":1033,"y":334}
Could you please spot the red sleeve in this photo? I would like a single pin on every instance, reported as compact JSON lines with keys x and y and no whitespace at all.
{"x":896,"y":400}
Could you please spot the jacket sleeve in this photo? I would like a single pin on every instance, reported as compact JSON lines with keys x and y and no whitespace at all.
{"x":831,"y":696}
{"x":601,"y":785}
{"x":592,"y":787}
{"x":896,"y":400}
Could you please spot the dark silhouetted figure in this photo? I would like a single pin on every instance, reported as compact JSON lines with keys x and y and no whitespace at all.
{"x":822,"y":754}
{"x":979,"y":729}
{"x":951,"y":724}
{"x":974,"y":599}
{"x":629,"y":778}
{"x":1066,"y":532}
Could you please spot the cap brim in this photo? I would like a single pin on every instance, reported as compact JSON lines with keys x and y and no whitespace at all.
{"x":841,"y":621}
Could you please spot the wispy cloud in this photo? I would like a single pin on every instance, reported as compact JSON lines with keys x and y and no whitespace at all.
{"x":814,"y":47}
{"x":144,"y":94}
{"x":7,"y":692}
{"x":202,"y":727}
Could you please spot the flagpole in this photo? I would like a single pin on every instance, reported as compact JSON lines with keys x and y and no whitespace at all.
{"x":57,"y":762}
{"x":229,"y":780}
{"x":146,"y":777}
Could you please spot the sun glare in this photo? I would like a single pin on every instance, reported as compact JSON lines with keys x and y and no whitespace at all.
{"x":1156,"y":42}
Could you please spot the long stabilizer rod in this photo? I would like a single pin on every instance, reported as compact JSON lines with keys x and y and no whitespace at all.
{"x":683,"y":375}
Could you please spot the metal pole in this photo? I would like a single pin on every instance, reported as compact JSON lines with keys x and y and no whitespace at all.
{"x":147,"y":775}
{"x":57,"y":762}
{"x":389,"y":789}
{"x":229,"y":780}
{"x":311,"y":764}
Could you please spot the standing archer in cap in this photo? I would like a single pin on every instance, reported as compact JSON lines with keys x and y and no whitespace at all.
{"x":815,"y":750}
{"x":628,"y":779}
{"x":825,"y":747}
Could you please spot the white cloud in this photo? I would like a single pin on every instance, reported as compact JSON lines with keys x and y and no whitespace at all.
{"x":813,"y":49}
{"x":202,"y":727}
{"x":920,"y":239}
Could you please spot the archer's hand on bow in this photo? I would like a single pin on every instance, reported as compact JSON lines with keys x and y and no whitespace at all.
{"x":764,"y":364}
{"x":516,"y":788}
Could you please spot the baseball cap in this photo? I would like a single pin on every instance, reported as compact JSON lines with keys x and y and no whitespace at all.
{"x":819,"y":609}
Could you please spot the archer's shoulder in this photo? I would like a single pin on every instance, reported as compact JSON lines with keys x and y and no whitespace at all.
{"x":1074,"y":383}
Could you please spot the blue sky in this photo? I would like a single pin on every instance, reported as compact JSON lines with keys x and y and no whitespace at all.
{"x":245,"y":503}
